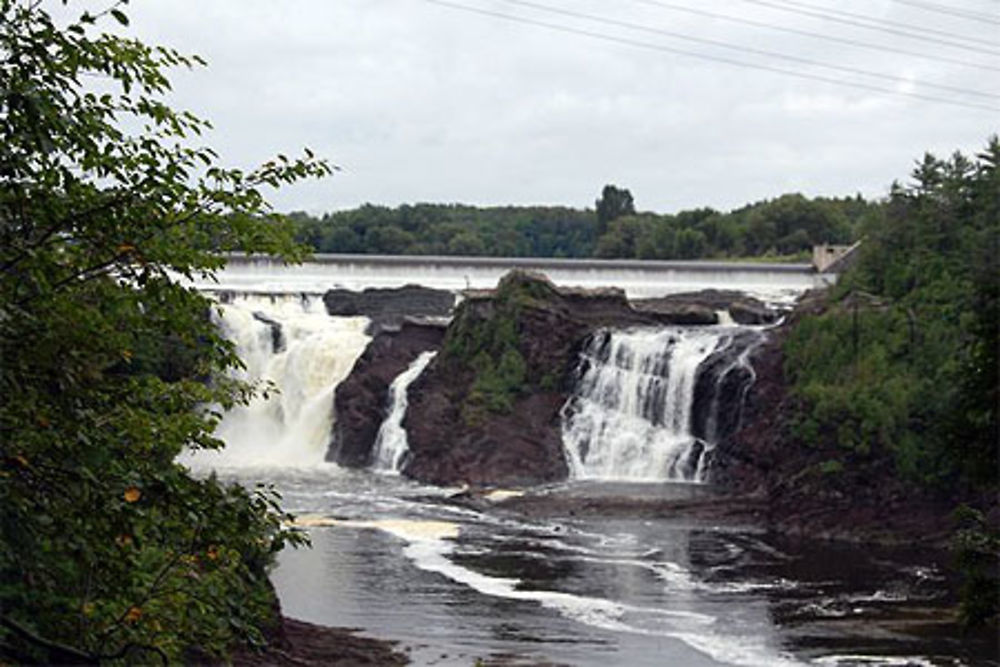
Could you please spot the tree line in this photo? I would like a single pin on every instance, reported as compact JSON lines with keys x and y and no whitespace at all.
{"x":786,"y":226}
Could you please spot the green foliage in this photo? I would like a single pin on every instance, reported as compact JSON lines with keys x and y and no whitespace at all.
{"x":786,"y":226}
{"x":903,"y":368}
{"x":977,"y":553}
{"x":614,"y":203}
{"x":111,"y":366}
{"x":904,"y":364}
{"x":451,"y":229}
{"x":485,"y":338}
{"x":831,"y":467}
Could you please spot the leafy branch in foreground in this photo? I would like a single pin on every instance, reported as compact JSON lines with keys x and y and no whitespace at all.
{"x":111,"y":550}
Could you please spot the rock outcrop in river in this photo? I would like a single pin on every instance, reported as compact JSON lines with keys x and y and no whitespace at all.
{"x":388,"y":307}
{"x":486,"y":410}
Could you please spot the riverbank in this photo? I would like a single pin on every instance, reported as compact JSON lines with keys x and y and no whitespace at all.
{"x":305,"y":644}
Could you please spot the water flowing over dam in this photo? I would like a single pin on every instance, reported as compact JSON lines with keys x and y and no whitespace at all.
{"x":638,"y":278}
{"x":633,"y":414}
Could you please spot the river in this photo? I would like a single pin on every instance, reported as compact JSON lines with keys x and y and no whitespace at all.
{"x":456,"y":578}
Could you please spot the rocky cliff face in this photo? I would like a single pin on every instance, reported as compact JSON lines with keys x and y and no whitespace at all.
{"x":360,"y":400}
{"x":859,"y":500}
{"x":486,"y":410}
{"x":722,"y":386}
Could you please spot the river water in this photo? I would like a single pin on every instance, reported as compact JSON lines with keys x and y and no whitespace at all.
{"x":457,"y":579}
{"x":456,"y":582}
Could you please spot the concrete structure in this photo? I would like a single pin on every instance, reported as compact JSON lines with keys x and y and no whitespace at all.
{"x":638,"y":278}
{"x":833,"y":258}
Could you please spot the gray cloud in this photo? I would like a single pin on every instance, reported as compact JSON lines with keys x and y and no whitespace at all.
{"x":419,"y":102}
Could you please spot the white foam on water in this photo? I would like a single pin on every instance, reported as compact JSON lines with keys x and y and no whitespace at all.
{"x":725,"y":319}
{"x":742,"y":650}
{"x":859,"y":660}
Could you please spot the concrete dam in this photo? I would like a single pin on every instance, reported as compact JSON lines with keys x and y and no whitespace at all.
{"x":638,"y":278}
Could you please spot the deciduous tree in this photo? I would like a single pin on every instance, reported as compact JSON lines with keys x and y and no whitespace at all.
{"x":110,"y":548}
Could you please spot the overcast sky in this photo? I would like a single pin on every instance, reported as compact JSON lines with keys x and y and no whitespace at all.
{"x":421,"y":102}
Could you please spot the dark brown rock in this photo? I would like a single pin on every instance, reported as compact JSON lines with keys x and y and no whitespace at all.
{"x":711,"y":298}
{"x":388,"y":307}
{"x":360,"y":402}
{"x":751,"y":311}
{"x":307,"y":645}
{"x":667,"y":311}
{"x":700,"y":307}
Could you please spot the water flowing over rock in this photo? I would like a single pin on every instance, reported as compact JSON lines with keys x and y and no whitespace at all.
{"x":391,"y":445}
{"x":721,"y":391}
{"x":630,"y":415}
{"x":361,"y":401}
{"x":290,"y":342}
{"x":486,"y":410}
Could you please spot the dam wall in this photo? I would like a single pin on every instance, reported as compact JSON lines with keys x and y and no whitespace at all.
{"x":638,"y":278}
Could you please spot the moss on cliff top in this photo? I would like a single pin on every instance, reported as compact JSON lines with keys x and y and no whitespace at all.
{"x":485,"y":338}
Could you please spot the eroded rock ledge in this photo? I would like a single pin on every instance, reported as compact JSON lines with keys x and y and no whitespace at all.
{"x":701,"y":307}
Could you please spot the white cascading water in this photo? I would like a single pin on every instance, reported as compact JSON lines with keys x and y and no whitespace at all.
{"x":293,"y":343}
{"x":629,"y":417}
{"x":390,"y":444}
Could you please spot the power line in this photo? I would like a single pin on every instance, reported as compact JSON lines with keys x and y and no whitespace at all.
{"x":952,"y":11}
{"x":903,"y":30}
{"x":818,"y":35}
{"x":744,"y":49}
{"x":893,"y":24}
{"x":704,"y":56}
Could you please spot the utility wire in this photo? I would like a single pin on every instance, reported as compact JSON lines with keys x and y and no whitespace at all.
{"x":745,"y":49}
{"x":903,"y":30}
{"x":704,"y":56}
{"x":817,"y":35}
{"x":885,"y":22}
{"x":967,"y":14}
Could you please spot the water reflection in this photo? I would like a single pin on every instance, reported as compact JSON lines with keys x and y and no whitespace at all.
{"x":596,"y":591}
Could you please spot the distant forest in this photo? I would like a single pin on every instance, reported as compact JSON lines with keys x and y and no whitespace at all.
{"x":785,"y":227}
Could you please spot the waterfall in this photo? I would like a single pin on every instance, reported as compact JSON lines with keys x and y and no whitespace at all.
{"x":390,"y":444}
{"x":630,"y":416}
{"x":299,"y":355}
